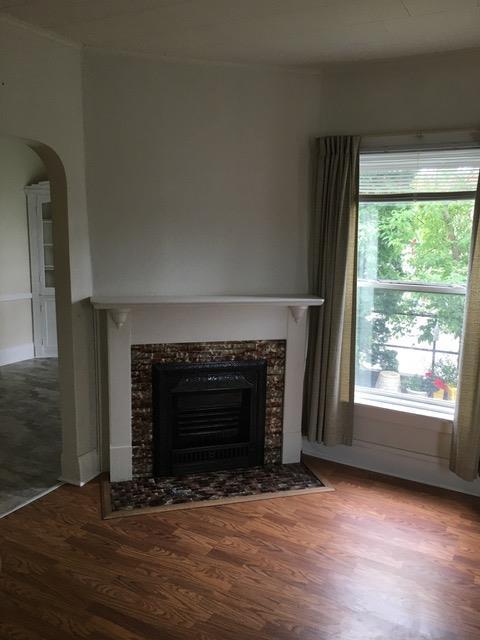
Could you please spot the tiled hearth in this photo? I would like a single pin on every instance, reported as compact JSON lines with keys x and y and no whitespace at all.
{"x":142,"y":358}
{"x":212,"y":488}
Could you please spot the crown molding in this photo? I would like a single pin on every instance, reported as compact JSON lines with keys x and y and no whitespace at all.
{"x":305,"y":70}
{"x":40,"y":31}
{"x":369,"y":63}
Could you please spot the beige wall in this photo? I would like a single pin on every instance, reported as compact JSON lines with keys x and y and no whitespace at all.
{"x":16,"y":332}
{"x":197,"y":176}
{"x":41,"y":101}
{"x":19,"y":166}
{"x":410,"y":95}
{"x":427,"y":92}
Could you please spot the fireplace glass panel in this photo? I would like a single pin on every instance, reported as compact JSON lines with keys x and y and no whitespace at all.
{"x":208,"y":416}
{"x":217,"y":417}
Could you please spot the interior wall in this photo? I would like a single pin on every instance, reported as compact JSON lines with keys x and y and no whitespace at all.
{"x":412,"y":94}
{"x":424,"y":93}
{"x":19,"y":167}
{"x":41,"y":102}
{"x":198,"y":176}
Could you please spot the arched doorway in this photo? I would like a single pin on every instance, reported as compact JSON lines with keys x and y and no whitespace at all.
{"x":37,"y":426}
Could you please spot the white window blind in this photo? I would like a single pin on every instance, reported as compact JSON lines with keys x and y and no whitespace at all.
{"x":419,"y":172}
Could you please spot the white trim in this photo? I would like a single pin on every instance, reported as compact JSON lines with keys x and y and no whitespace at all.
{"x":101,"y":375}
{"x":420,"y":287}
{"x":291,"y":447}
{"x":303,"y":70}
{"x":39,"y":31}
{"x":121,"y":463}
{"x":123,"y":303}
{"x":430,"y":407}
{"x":19,"y":352}
{"x":399,"y":463}
{"x":296,"y":353}
{"x":10,"y":297}
{"x":220,"y":319}
{"x":416,"y":140}
{"x":391,"y":415}
{"x":88,"y":465}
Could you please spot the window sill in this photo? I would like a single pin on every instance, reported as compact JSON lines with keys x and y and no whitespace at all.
{"x":443,"y":411}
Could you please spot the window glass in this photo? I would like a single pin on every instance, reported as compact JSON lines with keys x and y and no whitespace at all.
{"x":414,"y":335}
{"x":415,"y":222}
{"x":415,"y":241}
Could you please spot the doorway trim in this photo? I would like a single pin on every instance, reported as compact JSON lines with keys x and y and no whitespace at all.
{"x":74,"y":325}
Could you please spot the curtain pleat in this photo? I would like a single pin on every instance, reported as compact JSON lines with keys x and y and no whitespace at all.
{"x":330,"y":372}
{"x":465,"y":453}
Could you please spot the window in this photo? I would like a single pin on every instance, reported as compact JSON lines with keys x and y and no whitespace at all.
{"x":415,"y":220}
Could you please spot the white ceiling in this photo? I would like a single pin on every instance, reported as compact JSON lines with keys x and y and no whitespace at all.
{"x":305,"y":32}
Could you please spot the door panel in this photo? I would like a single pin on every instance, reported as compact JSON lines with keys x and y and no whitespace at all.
{"x":50,"y":326}
{"x":40,"y":226}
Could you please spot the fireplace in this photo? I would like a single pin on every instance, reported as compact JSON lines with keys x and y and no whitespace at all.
{"x":145,"y":330}
{"x":146,"y":357}
{"x":208,"y":416}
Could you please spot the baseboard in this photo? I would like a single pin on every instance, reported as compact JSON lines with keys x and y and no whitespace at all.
{"x":394,"y":462}
{"x":19,"y":352}
{"x":88,"y":466}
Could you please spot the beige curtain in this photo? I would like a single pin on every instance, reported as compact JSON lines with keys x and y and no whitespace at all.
{"x":465,"y":454}
{"x":329,"y":379}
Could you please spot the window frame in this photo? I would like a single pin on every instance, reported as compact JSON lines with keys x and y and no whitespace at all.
{"x":398,"y":401}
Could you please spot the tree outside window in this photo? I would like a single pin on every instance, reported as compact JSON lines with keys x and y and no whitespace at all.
{"x":413,"y":257}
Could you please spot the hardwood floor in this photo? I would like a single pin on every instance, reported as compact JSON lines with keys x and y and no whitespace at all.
{"x":377,"y":559}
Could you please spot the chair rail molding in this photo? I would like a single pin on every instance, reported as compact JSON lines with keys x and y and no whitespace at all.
{"x":11,"y":297}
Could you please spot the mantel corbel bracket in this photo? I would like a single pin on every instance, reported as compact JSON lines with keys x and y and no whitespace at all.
{"x":119,"y":316}
{"x":298,"y":312}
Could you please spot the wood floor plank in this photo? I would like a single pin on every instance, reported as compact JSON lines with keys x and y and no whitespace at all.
{"x":377,"y":559}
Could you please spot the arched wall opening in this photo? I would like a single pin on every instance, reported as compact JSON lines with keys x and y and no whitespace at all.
{"x":58,"y":189}
{"x":65,"y":310}
{"x":41,"y":96}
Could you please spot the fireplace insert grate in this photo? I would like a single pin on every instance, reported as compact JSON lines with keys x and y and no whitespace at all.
{"x":208,"y":416}
{"x":196,"y":456}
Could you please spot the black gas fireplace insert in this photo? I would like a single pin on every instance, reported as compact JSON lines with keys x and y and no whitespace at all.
{"x":208,"y":416}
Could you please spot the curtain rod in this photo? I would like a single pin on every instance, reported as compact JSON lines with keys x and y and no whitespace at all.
{"x":474,"y":131}
{"x":416,"y":140}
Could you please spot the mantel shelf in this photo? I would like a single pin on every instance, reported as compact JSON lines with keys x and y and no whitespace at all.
{"x":120,"y":306}
{"x":111,"y":302}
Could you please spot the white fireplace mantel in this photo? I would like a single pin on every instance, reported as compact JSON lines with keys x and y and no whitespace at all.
{"x":171,"y":319}
{"x":119,"y":306}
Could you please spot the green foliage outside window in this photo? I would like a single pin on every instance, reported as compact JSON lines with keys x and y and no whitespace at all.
{"x":415,"y":242}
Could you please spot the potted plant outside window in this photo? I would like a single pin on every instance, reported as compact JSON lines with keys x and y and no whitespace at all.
{"x":416,"y":386}
{"x":448,"y":372}
{"x":429,"y":385}
{"x":437,"y":387}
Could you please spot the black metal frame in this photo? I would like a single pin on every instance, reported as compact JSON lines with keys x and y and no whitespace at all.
{"x":167,"y":379}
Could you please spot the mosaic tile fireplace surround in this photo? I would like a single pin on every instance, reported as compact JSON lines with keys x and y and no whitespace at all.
{"x":144,"y":356}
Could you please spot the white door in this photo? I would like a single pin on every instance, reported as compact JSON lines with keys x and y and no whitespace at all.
{"x":42,"y":268}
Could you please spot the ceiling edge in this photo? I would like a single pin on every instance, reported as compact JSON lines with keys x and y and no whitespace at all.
{"x":313,"y":70}
{"x":354,"y":65}
{"x":40,"y":31}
